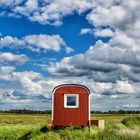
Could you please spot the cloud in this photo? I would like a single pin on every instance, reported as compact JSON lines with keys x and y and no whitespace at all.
{"x":36,"y":42}
{"x":26,"y":80}
{"x":123,"y":17}
{"x":99,"y":63}
{"x":112,"y":60}
{"x":8,"y":57}
{"x":10,"y":2}
{"x":18,"y":99}
{"x":85,"y":31}
{"x":22,"y":85}
{"x":103,"y":15}
{"x":119,"y":88}
{"x":103,"y":32}
{"x":124,"y":87}
{"x":44,"y":12}
{"x":99,"y":32}
{"x":69,"y":50}
{"x":8,"y":40}
{"x":131,"y":106}
{"x":31,"y":87}
{"x":7,"y":69}
{"x":28,"y":86}
{"x":45,"y":42}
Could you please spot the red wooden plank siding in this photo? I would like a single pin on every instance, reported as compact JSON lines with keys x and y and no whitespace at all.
{"x":70,"y":116}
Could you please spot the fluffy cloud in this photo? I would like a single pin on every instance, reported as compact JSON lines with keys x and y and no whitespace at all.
{"x":114,"y":71}
{"x":101,"y":62}
{"x":107,"y":32}
{"x":9,"y":57}
{"x":104,"y":32}
{"x":10,"y":2}
{"x":85,"y":31}
{"x":36,"y":42}
{"x":31,"y":87}
{"x":122,"y":51}
{"x":118,"y":88}
{"x":8,"y":40}
{"x":116,"y":13}
{"x":123,"y":16}
{"x":22,"y":87}
{"x":131,"y":106}
{"x":26,"y":80}
{"x":12,"y":85}
{"x":6,"y":69}
{"x":44,"y":12}
{"x":103,"y":15}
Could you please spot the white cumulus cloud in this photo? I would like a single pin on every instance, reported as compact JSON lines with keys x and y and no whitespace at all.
{"x":9,"y":57}
{"x":45,"y":12}
{"x":36,"y":42}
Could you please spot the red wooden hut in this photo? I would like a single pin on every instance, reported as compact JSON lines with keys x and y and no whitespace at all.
{"x":71,"y":105}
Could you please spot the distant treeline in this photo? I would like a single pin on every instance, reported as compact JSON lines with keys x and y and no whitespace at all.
{"x":25,"y":111}
{"x":117,"y":112}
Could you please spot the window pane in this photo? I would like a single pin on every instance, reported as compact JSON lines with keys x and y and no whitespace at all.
{"x":71,"y":101}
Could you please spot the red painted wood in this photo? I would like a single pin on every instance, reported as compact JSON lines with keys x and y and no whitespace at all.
{"x":71,"y":116}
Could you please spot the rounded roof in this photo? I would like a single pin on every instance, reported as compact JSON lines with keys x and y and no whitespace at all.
{"x":78,"y":85}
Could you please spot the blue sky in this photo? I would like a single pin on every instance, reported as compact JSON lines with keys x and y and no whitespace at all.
{"x":47,"y":43}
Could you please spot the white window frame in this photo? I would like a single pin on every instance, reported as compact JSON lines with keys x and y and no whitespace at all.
{"x":71,"y":95}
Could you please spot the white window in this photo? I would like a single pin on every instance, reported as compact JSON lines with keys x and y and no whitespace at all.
{"x":71,"y":100}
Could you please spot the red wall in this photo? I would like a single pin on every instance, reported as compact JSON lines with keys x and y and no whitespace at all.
{"x":70,"y":116}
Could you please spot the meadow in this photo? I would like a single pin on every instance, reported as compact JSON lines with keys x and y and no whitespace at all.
{"x":34,"y":127}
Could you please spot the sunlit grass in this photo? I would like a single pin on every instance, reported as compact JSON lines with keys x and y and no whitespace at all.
{"x":34,"y":127}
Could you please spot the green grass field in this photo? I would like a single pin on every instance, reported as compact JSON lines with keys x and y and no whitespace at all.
{"x":34,"y":127}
